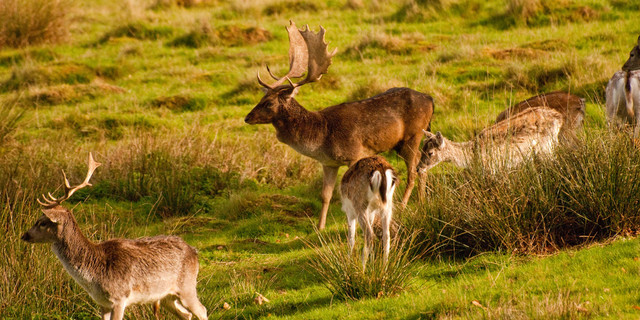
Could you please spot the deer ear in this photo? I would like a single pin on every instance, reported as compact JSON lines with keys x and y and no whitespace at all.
{"x":638,"y":40}
{"x":51,"y":215}
{"x":264,"y":90}
{"x":292,"y":92}
{"x":439,"y":139}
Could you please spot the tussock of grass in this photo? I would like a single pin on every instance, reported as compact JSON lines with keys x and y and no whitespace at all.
{"x":230,"y":35}
{"x":29,"y":22}
{"x":180,"y":103}
{"x":584,"y":194}
{"x":27,"y":75}
{"x":291,"y":6}
{"x":10,"y":115}
{"x":245,"y":288}
{"x":343,"y":273}
{"x":138,"y":30}
{"x":16,"y":57}
{"x":71,"y":93}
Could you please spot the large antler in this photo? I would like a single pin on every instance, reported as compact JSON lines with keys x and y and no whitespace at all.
{"x":306,"y":49}
{"x":68,"y":190}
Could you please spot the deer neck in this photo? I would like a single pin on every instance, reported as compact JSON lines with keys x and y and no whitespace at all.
{"x":300,"y":128}
{"x":78,"y":255}
{"x":458,"y":153}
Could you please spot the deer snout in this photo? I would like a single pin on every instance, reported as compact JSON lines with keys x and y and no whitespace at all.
{"x":26,"y":237}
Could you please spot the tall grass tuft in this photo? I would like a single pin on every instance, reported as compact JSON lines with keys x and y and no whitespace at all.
{"x":585,"y":193}
{"x":10,"y":115}
{"x":29,"y":22}
{"x":344,"y":276}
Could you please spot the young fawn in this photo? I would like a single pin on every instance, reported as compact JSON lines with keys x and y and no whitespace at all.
{"x":119,"y":272}
{"x":367,"y":191}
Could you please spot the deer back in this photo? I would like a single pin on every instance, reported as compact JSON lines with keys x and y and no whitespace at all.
{"x":572,"y":107}
{"x":367,"y":127}
{"x":370,"y":179}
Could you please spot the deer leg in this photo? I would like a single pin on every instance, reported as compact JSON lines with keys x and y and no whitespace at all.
{"x":409,"y":153}
{"x":173,"y":305}
{"x":328,"y":183}
{"x":117,"y":313}
{"x":422,"y":186}
{"x":386,"y":224}
{"x":352,"y":218}
{"x":156,"y":309}
{"x":106,"y":313}
{"x":365,"y":221}
{"x":191,"y":302}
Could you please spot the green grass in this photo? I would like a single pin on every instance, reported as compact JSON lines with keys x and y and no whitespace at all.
{"x":159,"y":95}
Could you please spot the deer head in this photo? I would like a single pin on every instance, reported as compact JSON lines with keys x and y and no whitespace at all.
{"x":431,"y":151}
{"x":49,"y":226}
{"x":307,"y":52}
{"x":633,"y":63}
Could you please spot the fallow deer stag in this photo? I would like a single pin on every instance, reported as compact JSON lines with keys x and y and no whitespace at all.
{"x":504,"y":144}
{"x":569,"y":105}
{"x":623,"y":94}
{"x":367,"y":191}
{"x":342,"y":134}
{"x":119,"y":272}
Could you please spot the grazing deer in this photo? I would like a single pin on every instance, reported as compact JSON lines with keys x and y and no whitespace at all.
{"x":342,"y":134}
{"x":623,"y":94}
{"x":570,"y":106}
{"x":506,"y":143}
{"x":367,"y":191}
{"x":120,"y":272}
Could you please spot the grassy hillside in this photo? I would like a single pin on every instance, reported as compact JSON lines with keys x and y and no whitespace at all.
{"x":158,"y":91}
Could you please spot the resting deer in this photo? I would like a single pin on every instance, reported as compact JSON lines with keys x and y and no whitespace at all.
{"x":570,"y":106}
{"x":623,"y":94}
{"x":120,"y":272}
{"x":342,"y":134}
{"x":367,"y":191}
{"x":504,"y":143}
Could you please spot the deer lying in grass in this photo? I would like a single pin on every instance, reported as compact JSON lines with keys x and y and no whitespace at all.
{"x":570,"y":106}
{"x":505,"y":143}
{"x":367,"y":191}
{"x":342,"y":134}
{"x":120,"y":272}
{"x":623,"y":94}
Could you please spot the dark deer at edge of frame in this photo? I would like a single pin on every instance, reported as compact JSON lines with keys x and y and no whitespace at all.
{"x":342,"y":134}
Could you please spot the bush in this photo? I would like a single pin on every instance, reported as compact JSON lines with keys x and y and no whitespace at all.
{"x":343,"y":274}
{"x":583,"y":194}
{"x":29,"y":22}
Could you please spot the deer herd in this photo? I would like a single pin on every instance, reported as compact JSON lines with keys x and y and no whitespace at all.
{"x":163,"y":270}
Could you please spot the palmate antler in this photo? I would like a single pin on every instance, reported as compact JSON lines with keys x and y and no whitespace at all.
{"x":68,"y":190}
{"x":306,"y":50}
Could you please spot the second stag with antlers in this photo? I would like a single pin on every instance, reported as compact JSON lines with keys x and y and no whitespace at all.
{"x":120,"y":272}
{"x":342,"y":134}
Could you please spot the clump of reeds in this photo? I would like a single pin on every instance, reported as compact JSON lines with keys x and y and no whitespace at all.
{"x":343,"y":272}
{"x":584,"y":193}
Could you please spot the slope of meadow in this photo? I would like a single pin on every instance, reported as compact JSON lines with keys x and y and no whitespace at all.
{"x":158,"y":91}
